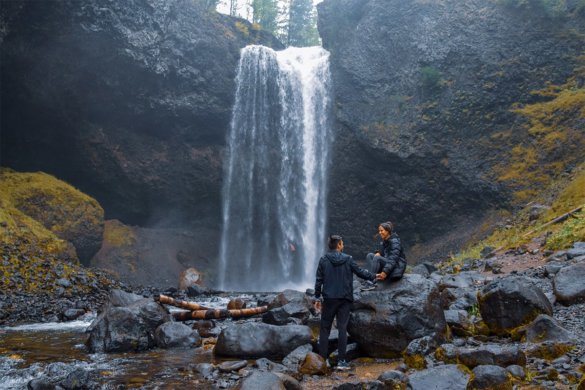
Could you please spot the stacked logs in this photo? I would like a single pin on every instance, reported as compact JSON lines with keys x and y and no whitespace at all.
{"x":198,"y":312}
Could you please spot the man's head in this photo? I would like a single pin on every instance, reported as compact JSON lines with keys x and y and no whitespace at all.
{"x":335,"y":242}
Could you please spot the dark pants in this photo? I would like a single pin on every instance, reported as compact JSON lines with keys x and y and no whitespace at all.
{"x":377,"y":263}
{"x":339,"y":308}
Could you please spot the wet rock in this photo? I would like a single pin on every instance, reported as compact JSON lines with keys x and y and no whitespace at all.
{"x":76,"y":380}
{"x":189,"y":278}
{"x":291,"y":296}
{"x":420,"y":269}
{"x":545,"y":328}
{"x":232,"y":366}
{"x":236,"y":304}
{"x":294,"y":359}
{"x":577,"y":250}
{"x":176,"y":335}
{"x":516,"y":371}
{"x":260,"y":380}
{"x":462,"y":280}
{"x":490,"y":377}
{"x":289,"y":382}
{"x":195,"y":291}
{"x":568,"y":284}
{"x":363,"y":385}
{"x":394,"y":380}
{"x":206,"y":328}
{"x":485,"y":354}
{"x":414,"y":355}
{"x":313,"y":364}
{"x":449,"y":376}
{"x":286,"y":314}
{"x":401,"y":311}
{"x":205,"y":369}
{"x":267,"y":365}
{"x":123,"y":298}
{"x":250,"y":340}
{"x":42,"y":383}
{"x":458,"y":298}
{"x":459,"y":323}
{"x":126,"y":328}
{"x":72,"y":314}
{"x":510,"y":302}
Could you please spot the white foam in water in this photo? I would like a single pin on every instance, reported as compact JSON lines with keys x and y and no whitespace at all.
{"x":79,"y":325}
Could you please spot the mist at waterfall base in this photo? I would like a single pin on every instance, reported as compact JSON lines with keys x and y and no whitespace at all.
{"x":275,"y":180}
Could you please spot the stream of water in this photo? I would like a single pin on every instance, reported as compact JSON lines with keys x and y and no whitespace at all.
{"x":274,"y":196}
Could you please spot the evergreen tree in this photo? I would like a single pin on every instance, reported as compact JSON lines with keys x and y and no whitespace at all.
{"x":302,"y":24}
{"x":265,"y":13}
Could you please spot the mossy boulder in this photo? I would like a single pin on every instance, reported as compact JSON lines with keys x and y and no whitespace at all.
{"x":508,"y":303}
{"x":61,"y":209}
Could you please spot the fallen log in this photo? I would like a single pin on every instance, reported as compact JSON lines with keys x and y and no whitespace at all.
{"x":182,"y":304}
{"x":558,"y":219}
{"x":218,"y":313}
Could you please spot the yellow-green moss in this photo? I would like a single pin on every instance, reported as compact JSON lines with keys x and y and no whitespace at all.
{"x":417,"y":362}
{"x":116,"y":234}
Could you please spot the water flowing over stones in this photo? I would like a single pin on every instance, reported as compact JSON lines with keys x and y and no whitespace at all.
{"x":276,"y":170}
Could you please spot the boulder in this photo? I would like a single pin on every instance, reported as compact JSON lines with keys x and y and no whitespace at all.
{"x":236,"y":304}
{"x":294,"y":359}
{"x":313,"y":364}
{"x":393,"y":379}
{"x":362,"y":385}
{"x":459,"y":322}
{"x":176,"y":334}
{"x":395,"y":314}
{"x":414,"y":355}
{"x":261,"y":380}
{"x":490,"y":377}
{"x":126,"y":328}
{"x":251,"y":340}
{"x":447,"y":377}
{"x":486,"y":354}
{"x":289,"y":382}
{"x":189,"y":278}
{"x":547,"y":339}
{"x":568,"y":284}
{"x":291,"y":312}
{"x":291,"y":296}
{"x":508,"y":303}
{"x":465,"y":279}
{"x":231,"y":366}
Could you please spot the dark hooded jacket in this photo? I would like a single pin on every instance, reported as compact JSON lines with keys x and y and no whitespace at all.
{"x":335,"y":276}
{"x":391,"y":250}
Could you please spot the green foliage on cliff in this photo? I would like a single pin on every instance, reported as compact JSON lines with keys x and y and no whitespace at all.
{"x":35,"y":208}
{"x":550,"y":141}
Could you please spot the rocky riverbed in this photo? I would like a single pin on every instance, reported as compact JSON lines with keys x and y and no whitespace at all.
{"x":473,"y":328}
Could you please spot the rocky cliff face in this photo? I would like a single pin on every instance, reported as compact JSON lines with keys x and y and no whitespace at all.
{"x":129,"y":101}
{"x":420,"y":89}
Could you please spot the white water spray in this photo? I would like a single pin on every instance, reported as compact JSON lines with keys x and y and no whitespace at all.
{"x":274,"y":195}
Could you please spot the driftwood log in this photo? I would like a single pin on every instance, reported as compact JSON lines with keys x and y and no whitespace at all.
{"x":182,"y":304}
{"x":199,"y":312}
{"x":218,"y":313}
{"x":558,"y":219}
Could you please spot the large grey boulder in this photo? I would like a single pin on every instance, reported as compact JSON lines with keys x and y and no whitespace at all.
{"x":568,"y":284}
{"x":386,"y":320}
{"x":486,"y":354}
{"x":546,"y":338}
{"x":252,"y":340}
{"x":490,"y":377}
{"x":508,"y":303}
{"x":176,"y":334}
{"x":126,"y":328}
{"x":261,"y":380}
{"x":447,"y":377}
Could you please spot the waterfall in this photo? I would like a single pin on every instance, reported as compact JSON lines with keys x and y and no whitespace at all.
{"x":275,"y":180}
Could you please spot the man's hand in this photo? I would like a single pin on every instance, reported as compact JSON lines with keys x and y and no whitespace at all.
{"x":317,"y":305}
{"x":381,"y":276}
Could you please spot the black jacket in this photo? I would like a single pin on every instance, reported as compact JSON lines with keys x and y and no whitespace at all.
{"x":335,"y":276}
{"x":391,"y":250}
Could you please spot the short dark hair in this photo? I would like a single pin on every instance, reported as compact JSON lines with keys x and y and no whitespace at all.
{"x":333,"y":240}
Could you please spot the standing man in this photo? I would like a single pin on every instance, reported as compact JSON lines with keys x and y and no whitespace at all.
{"x":335,"y":283}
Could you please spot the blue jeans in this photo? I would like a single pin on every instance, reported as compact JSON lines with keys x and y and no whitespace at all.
{"x":376,"y":263}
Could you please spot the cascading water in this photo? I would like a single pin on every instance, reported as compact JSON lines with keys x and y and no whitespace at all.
{"x":274,"y":195}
